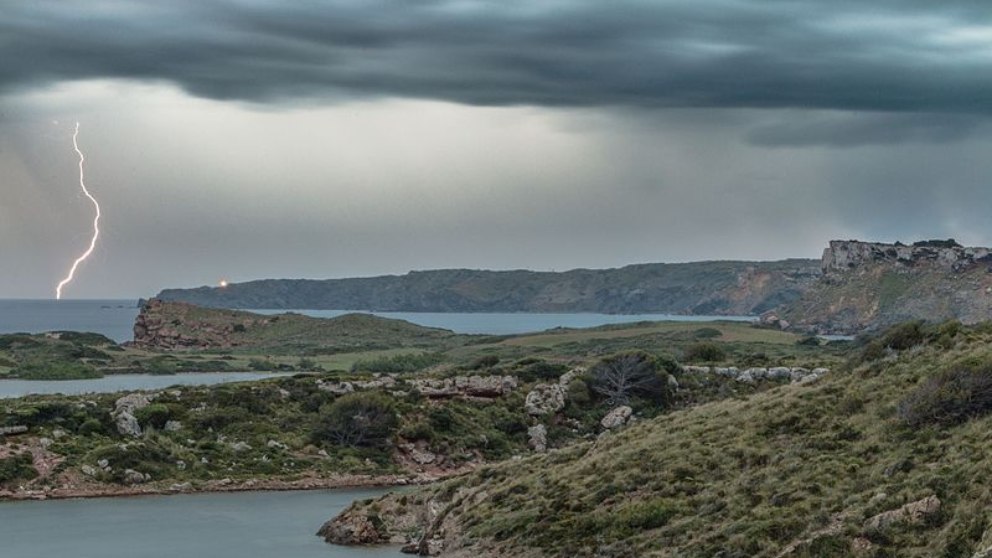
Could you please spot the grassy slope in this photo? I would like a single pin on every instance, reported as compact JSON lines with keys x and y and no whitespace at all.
{"x":745,"y":477}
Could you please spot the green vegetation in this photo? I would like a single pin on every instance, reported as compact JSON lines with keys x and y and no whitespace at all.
{"x":801,"y":465}
{"x":17,"y":468}
{"x":357,"y":420}
{"x":56,"y":370}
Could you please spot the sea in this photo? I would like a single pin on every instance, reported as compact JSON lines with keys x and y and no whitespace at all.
{"x":115,"y":318}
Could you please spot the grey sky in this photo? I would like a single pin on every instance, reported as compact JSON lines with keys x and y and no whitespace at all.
{"x":324,"y":139}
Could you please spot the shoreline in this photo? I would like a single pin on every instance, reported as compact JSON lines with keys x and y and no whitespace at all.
{"x":225,"y":485}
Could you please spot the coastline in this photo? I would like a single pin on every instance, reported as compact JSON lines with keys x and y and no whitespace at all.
{"x":227,"y":485}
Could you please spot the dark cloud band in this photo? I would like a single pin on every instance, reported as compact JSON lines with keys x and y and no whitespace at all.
{"x":878,"y":56}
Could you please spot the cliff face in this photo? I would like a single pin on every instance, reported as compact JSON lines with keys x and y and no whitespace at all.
{"x":867,"y":285}
{"x":720,"y":288}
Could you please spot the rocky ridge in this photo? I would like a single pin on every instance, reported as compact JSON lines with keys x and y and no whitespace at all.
{"x":867,"y":286}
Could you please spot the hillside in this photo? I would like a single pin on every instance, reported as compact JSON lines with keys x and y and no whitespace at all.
{"x":386,"y":417}
{"x":176,"y":325}
{"x":717,"y":288}
{"x":872,"y":285}
{"x":882,"y":459}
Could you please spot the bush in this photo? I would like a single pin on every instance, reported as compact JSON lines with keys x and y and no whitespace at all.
{"x":541,"y":371}
{"x":704,"y":352}
{"x":949,"y":398}
{"x":707,"y":333}
{"x":154,"y":415}
{"x":622,"y":377}
{"x":17,"y":467}
{"x":399,"y":363}
{"x":487,"y":361}
{"x":364,"y":419}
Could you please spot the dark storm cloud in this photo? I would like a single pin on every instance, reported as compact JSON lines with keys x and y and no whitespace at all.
{"x":877,"y":56}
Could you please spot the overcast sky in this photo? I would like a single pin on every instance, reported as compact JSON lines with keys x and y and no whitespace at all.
{"x":258,"y":139}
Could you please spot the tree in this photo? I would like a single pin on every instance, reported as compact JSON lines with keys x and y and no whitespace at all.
{"x":621,"y":377}
{"x":363,"y":419}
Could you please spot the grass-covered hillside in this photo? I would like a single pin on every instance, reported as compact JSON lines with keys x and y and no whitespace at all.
{"x":886,"y":457}
{"x":388,"y":414}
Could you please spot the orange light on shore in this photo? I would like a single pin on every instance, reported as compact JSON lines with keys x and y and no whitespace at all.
{"x":223,"y":283}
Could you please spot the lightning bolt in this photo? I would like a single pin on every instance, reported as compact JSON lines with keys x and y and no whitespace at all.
{"x":96,"y":219}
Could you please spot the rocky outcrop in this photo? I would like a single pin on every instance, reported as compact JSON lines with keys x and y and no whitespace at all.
{"x":842,"y":256}
{"x":12,"y":430}
{"x":545,"y":399}
{"x":466,"y":386}
{"x":123,"y":413}
{"x":353,"y":528}
{"x":869,"y":285}
{"x":913,"y":513}
{"x":616,"y":417}
{"x":538,"y":438}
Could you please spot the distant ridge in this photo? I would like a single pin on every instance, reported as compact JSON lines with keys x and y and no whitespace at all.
{"x":716,"y":288}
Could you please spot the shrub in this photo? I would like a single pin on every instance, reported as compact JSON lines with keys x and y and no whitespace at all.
{"x":399,"y":363}
{"x":17,"y":467}
{"x":154,"y":415}
{"x":707,"y":333}
{"x":622,"y":377}
{"x":487,"y":361}
{"x":540,"y":371}
{"x":364,"y":419}
{"x":90,"y":427}
{"x":704,"y":352}
{"x":904,"y":336}
{"x":809,"y":341}
{"x":951,"y":397}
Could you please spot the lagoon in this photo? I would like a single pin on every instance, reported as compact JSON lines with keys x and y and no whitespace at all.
{"x":224,"y":525}
{"x":125,"y":382}
{"x":115,"y":318}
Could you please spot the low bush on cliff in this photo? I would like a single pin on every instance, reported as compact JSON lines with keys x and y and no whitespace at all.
{"x":704,"y":352}
{"x":17,"y":468}
{"x":950,"y":397}
{"x":364,"y":419}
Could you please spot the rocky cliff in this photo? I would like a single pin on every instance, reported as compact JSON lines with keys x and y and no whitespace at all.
{"x":868,"y":285}
{"x":719,"y":288}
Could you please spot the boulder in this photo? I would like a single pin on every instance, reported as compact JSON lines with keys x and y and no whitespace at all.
{"x":538,"y":438}
{"x":419,"y":455}
{"x":617,"y":417}
{"x":352,"y":528}
{"x":123,"y":414}
{"x":545,"y":399}
{"x":135,"y":477}
{"x":173,"y":426}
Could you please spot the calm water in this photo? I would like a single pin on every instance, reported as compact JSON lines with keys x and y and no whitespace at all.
{"x":237,"y":525}
{"x":124,"y":382}
{"x":115,"y":318}
{"x":511,"y":323}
